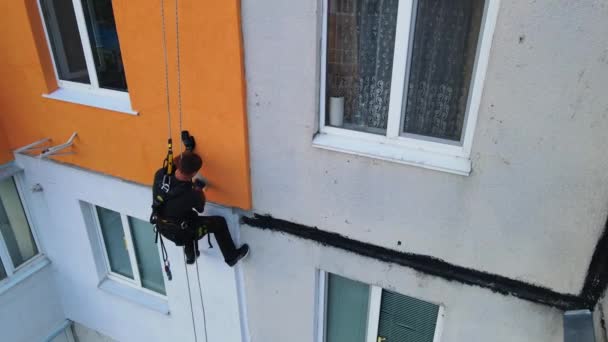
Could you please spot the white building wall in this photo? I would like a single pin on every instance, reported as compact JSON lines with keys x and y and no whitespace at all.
{"x":30,"y":310}
{"x":281,"y":305}
{"x":67,"y":242}
{"x":536,"y":200}
{"x":601,"y":311}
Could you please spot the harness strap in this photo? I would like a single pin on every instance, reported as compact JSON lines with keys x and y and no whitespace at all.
{"x":168,"y":162}
{"x":165,"y":256}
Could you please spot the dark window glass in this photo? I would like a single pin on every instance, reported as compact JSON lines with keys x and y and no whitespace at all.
{"x":146,"y":251}
{"x":116,"y":244}
{"x":14,"y":226}
{"x":443,"y":54}
{"x":2,"y":271}
{"x":360,"y":46}
{"x":65,"y":40}
{"x":347,"y":310}
{"x":404,"y":318}
{"x":101,"y":27}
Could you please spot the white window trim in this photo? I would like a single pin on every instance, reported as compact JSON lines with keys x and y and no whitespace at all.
{"x":17,"y":175}
{"x":86,"y":94}
{"x":373,"y":316}
{"x":145,"y":298}
{"x":29,"y":268}
{"x":65,"y":327}
{"x":15,"y":275}
{"x":136,"y":282}
{"x":426,"y":152}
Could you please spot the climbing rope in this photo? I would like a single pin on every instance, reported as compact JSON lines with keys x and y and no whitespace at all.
{"x":162,"y":13}
{"x":179,"y":74}
{"x":169,"y":132}
{"x":179,"y":106}
{"x":200,"y":293}
{"x":190,"y":298}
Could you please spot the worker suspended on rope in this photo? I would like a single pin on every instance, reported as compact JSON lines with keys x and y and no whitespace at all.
{"x":178,"y":205}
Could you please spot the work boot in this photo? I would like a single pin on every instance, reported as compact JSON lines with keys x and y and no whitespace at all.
{"x":241,"y":253}
{"x":190,"y":259}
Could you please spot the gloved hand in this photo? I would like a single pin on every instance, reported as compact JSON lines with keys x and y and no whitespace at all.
{"x":200,"y":183}
{"x":188,"y":141}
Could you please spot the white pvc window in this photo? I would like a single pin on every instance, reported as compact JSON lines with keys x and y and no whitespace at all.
{"x":18,"y":246}
{"x":85,"y":50}
{"x":351,"y":311}
{"x":130,"y":253}
{"x":402,"y":79}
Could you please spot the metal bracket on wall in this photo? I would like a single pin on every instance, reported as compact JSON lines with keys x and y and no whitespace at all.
{"x":48,"y":151}
{"x":578,"y":326}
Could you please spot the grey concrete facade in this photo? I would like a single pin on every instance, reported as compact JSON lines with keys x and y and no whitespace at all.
{"x":535,"y":203}
{"x":282,"y":304}
{"x":532,"y":209}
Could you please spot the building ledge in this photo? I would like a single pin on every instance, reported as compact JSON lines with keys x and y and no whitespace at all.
{"x":120,"y":104}
{"x":134,"y":295}
{"x":24,"y":272}
{"x":394,"y":151}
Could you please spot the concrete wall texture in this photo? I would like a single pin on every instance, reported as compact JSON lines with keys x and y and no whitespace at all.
{"x":535,"y":203}
{"x":62,"y":227}
{"x":282,"y":305}
{"x":30,"y":310}
{"x":532,"y":209}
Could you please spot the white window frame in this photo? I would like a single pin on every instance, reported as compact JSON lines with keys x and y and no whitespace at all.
{"x":373,"y":313}
{"x":5,"y":258}
{"x":410,"y":149}
{"x":87,"y":94}
{"x":63,"y":328}
{"x":136,"y":281}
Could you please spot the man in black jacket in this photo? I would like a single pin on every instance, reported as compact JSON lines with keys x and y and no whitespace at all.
{"x":180,"y":216}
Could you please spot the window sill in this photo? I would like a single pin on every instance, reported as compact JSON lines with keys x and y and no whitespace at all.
{"x":113,"y":103}
{"x":394,"y":153}
{"x":9,"y":170}
{"x":134,"y":295}
{"x":30,"y":268}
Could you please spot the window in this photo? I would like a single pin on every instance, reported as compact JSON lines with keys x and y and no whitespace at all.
{"x":401,"y":77}
{"x":356,"y":312}
{"x":130,"y":253}
{"x":85,"y":48}
{"x":17,"y":243}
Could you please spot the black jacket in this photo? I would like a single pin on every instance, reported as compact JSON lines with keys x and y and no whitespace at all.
{"x":180,"y":200}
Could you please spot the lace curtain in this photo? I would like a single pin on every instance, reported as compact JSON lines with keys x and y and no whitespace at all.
{"x":445,"y":42}
{"x":361,"y":40}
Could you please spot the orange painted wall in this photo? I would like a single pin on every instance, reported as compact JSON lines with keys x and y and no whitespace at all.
{"x":5,"y":155}
{"x":132,"y":147}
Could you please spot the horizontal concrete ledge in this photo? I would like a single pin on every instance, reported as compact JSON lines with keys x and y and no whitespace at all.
{"x":426,"y":264}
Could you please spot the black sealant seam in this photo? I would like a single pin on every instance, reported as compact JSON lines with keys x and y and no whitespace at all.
{"x":438,"y":267}
{"x":597,"y":274}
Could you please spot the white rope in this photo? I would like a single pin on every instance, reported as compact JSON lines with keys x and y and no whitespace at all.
{"x":167,"y":89}
{"x":179,"y":107}
{"x":200,"y":293}
{"x":190,"y":298}
{"x":179,"y":74}
{"x":162,"y":13}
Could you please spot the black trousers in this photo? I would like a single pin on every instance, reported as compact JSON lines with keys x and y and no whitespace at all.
{"x":211,"y":224}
